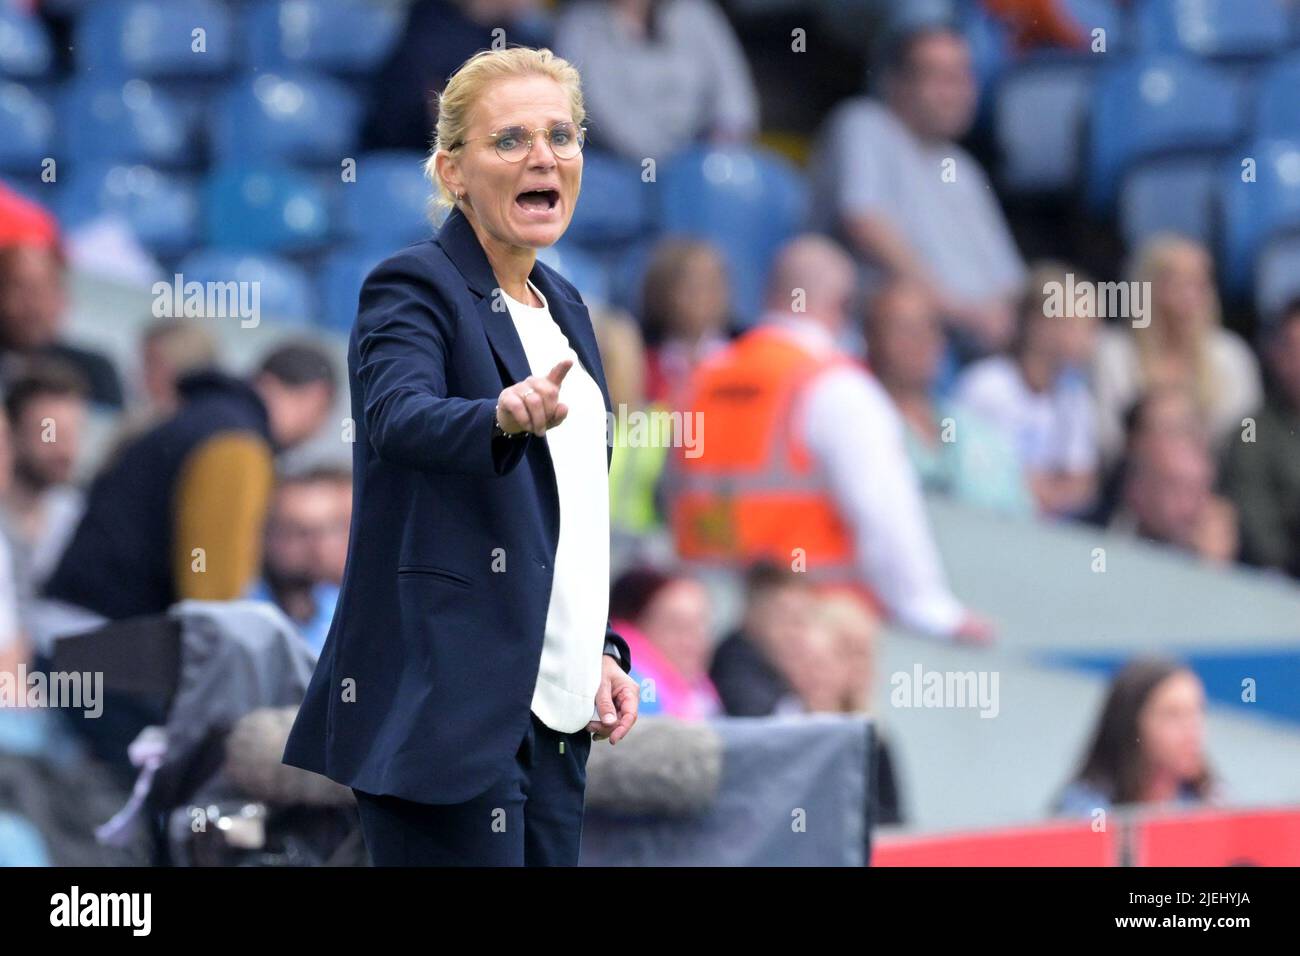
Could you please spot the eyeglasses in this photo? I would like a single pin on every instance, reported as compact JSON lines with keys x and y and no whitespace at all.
{"x":513,"y":143}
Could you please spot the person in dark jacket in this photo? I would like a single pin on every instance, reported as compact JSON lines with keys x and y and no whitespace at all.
{"x":179,"y":511}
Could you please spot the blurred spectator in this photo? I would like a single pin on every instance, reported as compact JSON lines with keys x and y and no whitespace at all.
{"x":956,"y":452}
{"x":1149,"y":745}
{"x":1162,"y":411}
{"x":1184,"y":345}
{"x":637,"y":459}
{"x":306,"y":546}
{"x":33,"y":300}
{"x":1262,"y":476}
{"x":46,"y":411}
{"x":747,"y":667}
{"x":1168,"y":498}
{"x":13,"y":643}
{"x":890,"y":180}
{"x":179,"y":512}
{"x":665,"y":620}
{"x":658,"y":75}
{"x":1039,"y":399}
{"x":852,"y":638}
{"x":686,"y":314}
{"x":439,"y":36}
{"x":804,"y":456}
{"x":168,"y":349}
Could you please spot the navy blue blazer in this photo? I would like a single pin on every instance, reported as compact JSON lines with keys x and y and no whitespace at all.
{"x":425,"y":682}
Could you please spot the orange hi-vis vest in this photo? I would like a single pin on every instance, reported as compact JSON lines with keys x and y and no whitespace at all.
{"x":754,"y":491}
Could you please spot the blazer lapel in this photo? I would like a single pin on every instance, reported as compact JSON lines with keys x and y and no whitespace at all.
{"x":458,"y":240}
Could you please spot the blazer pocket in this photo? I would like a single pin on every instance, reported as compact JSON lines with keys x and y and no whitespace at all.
{"x":451,"y":577}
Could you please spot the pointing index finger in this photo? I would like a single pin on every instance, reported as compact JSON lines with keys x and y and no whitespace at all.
{"x":561,"y":369}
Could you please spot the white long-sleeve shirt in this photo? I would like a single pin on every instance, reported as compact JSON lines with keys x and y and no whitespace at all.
{"x":854,"y":432}
{"x":573,"y":648}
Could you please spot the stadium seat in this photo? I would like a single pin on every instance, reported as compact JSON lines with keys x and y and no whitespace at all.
{"x":293,"y":118}
{"x":339,"y":282}
{"x":746,"y":201}
{"x":155,"y":38}
{"x":26,"y":129}
{"x":132,"y":121}
{"x":1151,"y":106}
{"x":1255,"y":212}
{"x":25,"y":51}
{"x":1213,"y":28}
{"x":1175,"y":194}
{"x":340,"y":36}
{"x":1107,"y":15}
{"x":388,"y":204}
{"x":265,"y":208}
{"x":161,"y":208}
{"x":1277,"y":99}
{"x":1039,"y":117}
{"x":285,"y":292}
{"x":614,"y":206}
{"x":580,"y":267}
{"x":1277,"y":276}
{"x":627,"y":275}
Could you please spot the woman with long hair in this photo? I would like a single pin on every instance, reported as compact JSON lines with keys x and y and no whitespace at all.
{"x":1149,"y":745}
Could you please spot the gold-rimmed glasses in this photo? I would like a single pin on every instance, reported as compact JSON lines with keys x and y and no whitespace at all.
{"x":513,"y":143}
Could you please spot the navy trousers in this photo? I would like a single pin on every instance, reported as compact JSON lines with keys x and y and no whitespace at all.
{"x":532,"y":816}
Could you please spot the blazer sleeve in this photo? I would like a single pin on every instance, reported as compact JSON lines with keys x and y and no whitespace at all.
{"x":405,"y":329}
{"x":616,"y":647}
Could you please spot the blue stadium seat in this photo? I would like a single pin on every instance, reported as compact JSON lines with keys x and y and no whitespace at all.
{"x":293,"y":118}
{"x":1105,"y":15}
{"x":1039,"y":117}
{"x":1174,"y":194}
{"x":340,"y":36}
{"x":388,"y":204}
{"x":1213,"y":28}
{"x":614,"y":205}
{"x":161,"y":208}
{"x":25,"y":51}
{"x":285,"y":292}
{"x":1255,"y":212}
{"x":1149,"y":106}
{"x":26,"y":129}
{"x":1277,"y":276}
{"x":155,"y":38}
{"x":627,"y":275}
{"x":580,"y":267}
{"x":131,"y":121}
{"x":746,"y":201}
{"x":339,"y":281}
{"x":1277,"y":99}
{"x":265,"y":208}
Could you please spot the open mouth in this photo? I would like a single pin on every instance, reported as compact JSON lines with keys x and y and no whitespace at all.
{"x":538,"y":200}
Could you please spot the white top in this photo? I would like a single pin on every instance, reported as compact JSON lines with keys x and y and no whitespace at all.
{"x":565,"y":696}
{"x":855,"y":434}
{"x":1053,"y":431}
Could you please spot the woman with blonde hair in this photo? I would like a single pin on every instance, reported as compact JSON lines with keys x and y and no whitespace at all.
{"x":1180,"y":342}
{"x":470,"y":661}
